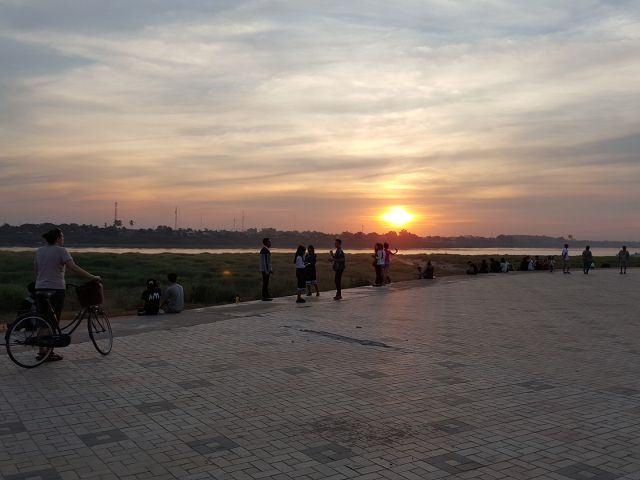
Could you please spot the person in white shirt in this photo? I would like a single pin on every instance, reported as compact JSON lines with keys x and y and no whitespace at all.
{"x":301,"y":275}
{"x":173,"y":296}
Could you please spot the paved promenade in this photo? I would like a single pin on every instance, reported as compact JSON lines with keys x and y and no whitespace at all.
{"x":511,"y":376}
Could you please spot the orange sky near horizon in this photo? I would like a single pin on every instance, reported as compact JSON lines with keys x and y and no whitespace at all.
{"x":480,"y":118}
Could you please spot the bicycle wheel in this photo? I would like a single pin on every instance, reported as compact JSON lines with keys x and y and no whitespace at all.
{"x":100,"y":330}
{"x":22,"y":340}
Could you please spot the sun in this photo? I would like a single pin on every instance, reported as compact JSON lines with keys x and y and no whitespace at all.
{"x":397,"y":216}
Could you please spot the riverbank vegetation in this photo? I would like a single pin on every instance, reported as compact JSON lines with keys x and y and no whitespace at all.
{"x":210,"y":279}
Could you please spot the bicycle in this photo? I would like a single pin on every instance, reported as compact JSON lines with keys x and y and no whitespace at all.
{"x":31,"y":338}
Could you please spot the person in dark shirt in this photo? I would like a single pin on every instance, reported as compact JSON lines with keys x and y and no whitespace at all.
{"x":484,"y":267}
{"x":472,"y":269}
{"x":494,"y":266}
{"x":265,"y":268}
{"x":310,"y":260}
{"x":150,"y":298}
{"x":338,"y":260}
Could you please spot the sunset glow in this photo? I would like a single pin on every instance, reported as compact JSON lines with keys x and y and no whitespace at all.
{"x":397,"y":217}
{"x":321,"y":115}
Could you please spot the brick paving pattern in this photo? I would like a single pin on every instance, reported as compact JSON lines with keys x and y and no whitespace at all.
{"x":512,"y":376}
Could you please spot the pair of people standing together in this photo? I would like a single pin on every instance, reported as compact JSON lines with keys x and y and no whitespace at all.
{"x":305,"y":269}
{"x":381,"y":262}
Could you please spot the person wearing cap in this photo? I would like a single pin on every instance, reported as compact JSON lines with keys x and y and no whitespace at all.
{"x":150,"y":298}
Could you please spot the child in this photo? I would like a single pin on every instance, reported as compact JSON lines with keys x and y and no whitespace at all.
{"x":28,"y":305}
{"x":310,"y":262}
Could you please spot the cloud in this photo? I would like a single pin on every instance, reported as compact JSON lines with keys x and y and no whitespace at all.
{"x":459,"y":109}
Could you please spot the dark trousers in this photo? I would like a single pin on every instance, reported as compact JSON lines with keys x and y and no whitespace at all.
{"x":265,"y":284}
{"x":56,"y":301}
{"x":379,"y":276}
{"x":338,"y":280}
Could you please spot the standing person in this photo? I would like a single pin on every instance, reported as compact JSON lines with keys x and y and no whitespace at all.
{"x":173,"y":296}
{"x":387,"y":262}
{"x":265,"y":268}
{"x":587,"y":259}
{"x":339,"y":263}
{"x":378,"y":263}
{"x":552,"y":263}
{"x":50,"y":266}
{"x":301,"y":276}
{"x":623,"y":258}
{"x":310,"y":260}
{"x":566,"y":262}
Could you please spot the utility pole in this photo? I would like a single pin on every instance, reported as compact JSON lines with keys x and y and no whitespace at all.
{"x":234,"y":225}
{"x":242,"y":228}
{"x":115,"y":215}
{"x":175,"y":219}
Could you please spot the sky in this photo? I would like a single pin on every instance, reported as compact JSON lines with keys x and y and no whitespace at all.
{"x":479,"y":117}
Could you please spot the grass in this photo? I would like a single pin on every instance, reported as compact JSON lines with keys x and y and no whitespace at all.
{"x":210,"y":279}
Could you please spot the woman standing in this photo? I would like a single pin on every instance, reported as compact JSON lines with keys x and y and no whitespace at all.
{"x":310,"y":261}
{"x":301,"y":276}
{"x":50,"y":265}
{"x":378,"y":263}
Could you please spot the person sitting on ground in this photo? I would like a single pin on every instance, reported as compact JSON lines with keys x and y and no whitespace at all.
{"x":150,"y":298}
{"x":494,"y":266}
{"x":173,"y":296}
{"x":532,"y":265}
{"x":428,"y":271}
{"x":420,"y":274}
{"x":524,"y":264}
{"x":484,"y":267}
{"x":28,"y":304}
{"x":472,"y":269}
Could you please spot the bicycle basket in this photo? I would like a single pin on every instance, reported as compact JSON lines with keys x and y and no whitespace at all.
{"x":90,"y":294}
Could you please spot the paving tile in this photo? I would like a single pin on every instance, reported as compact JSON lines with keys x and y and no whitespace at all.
{"x":215,"y":444}
{"x":327,"y":453}
{"x":43,"y":474}
{"x":10,"y":428}
{"x":581,"y":471}
{"x":103,"y":437}
{"x":453,"y":463}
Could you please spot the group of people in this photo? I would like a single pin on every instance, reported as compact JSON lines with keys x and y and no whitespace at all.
{"x":305,"y":260}
{"x":530,"y":264}
{"x":153,"y":300}
{"x":381,"y":262}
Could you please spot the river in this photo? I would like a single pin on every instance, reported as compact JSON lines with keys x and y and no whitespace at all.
{"x":489,"y":252}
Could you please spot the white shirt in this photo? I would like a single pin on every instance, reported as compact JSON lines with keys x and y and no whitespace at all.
{"x":380,"y":257}
{"x":299,"y":262}
{"x":565,"y":252}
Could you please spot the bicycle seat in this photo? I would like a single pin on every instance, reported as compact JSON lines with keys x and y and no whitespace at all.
{"x":45,"y":293}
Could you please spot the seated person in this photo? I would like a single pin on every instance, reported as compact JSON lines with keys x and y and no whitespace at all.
{"x":472,"y":269}
{"x":150,"y":299}
{"x":494,"y":266}
{"x":428,"y":271}
{"x":484,"y":267}
{"x":28,"y":305}
{"x":420,"y":274}
{"x":504,"y":265}
{"x":173,"y":296}
{"x":524,"y":264}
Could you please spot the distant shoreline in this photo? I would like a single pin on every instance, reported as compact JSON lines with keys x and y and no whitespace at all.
{"x":488,"y":251}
